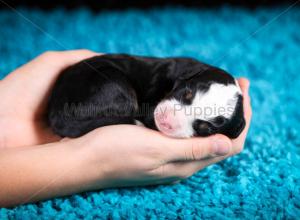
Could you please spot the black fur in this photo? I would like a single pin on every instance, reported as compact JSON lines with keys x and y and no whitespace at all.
{"x":117,"y":89}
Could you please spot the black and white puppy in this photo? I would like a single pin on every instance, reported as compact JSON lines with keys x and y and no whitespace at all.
{"x":180,"y":97}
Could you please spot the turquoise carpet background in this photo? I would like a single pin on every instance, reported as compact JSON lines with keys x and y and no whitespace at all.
{"x":263,"y":182}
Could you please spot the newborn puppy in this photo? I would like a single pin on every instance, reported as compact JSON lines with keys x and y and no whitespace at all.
{"x":180,"y":97}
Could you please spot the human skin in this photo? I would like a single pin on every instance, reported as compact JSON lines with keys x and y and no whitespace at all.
{"x":35,"y":164}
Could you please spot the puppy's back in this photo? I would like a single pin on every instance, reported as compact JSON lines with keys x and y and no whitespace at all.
{"x":88,"y":95}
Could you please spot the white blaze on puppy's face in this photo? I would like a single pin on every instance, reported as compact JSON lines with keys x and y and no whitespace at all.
{"x":176,"y":119}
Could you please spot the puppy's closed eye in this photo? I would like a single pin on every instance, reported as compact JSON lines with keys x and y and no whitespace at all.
{"x":188,"y":95}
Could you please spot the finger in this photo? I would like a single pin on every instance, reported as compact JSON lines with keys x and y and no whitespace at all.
{"x":73,"y":56}
{"x":60,"y":60}
{"x":182,"y":169}
{"x":197,"y":148}
{"x":52,"y":63}
{"x":245,"y":84}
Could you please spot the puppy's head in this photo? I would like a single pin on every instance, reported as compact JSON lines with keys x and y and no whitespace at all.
{"x":202,"y":104}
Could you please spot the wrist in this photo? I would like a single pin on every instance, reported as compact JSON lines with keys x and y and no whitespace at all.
{"x":50,"y":170}
{"x":90,"y":167}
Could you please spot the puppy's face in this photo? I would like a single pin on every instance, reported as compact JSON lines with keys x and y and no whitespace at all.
{"x":201,"y":106}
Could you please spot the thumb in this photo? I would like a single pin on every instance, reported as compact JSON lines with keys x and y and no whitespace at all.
{"x":199,"y":148}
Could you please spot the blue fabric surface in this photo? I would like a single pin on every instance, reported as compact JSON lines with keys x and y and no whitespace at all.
{"x":263,"y":181}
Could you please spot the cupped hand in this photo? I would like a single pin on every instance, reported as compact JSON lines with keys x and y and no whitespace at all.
{"x":119,"y":155}
{"x":126,"y":149}
{"x":128,"y":155}
{"x":24,"y":95}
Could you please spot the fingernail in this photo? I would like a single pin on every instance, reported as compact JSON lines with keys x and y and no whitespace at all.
{"x":221,"y":147}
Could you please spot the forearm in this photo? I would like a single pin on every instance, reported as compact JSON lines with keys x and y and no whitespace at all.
{"x":27,"y":133}
{"x":39,"y":172}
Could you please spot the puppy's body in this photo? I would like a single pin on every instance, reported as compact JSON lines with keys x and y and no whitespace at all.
{"x":123,"y":89}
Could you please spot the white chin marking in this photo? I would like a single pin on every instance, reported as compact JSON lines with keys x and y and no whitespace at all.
{"x":219,"y":100}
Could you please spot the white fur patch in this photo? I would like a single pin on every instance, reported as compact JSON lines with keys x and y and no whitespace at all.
{"x":219,"y":100}
{"x":139,"y":123}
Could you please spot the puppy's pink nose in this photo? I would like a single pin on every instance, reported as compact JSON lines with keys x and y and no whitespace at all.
{"x":167,"y":121}
{"x":165,"y":125}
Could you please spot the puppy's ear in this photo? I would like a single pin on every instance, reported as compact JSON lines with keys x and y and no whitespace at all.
{"x":237,"y":122}
{"x":236,"y":130}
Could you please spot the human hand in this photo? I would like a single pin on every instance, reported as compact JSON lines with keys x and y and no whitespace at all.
{"x":128,"y":155}
{"x":24,"y":96}
{"x":120,"y":155}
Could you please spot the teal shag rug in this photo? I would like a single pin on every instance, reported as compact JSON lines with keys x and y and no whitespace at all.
{"x":263,"y":182}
